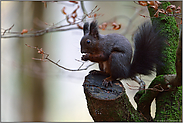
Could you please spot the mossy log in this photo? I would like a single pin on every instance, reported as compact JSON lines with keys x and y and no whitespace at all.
{"x":169,"y":106}
{"x":168,"y":101}
{"x":108,"y":104}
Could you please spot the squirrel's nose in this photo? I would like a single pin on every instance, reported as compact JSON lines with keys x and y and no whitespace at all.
{"x":83,"y":51}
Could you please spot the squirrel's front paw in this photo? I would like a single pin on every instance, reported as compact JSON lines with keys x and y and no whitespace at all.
{"x":107,"y":82}
{"x":85,"y":57}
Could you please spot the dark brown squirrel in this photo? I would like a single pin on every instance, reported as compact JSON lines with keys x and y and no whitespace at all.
{"x":113,"y":51}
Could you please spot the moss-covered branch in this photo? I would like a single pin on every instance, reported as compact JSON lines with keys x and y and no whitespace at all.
{"x":168,"y":102}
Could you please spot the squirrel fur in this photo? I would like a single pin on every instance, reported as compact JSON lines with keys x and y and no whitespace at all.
{"x":113,"y":51}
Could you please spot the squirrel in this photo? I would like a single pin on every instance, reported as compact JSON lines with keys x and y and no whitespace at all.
{"x":113,"y":52}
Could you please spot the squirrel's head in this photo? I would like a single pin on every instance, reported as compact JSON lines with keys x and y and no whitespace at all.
{"x":90,"y":40}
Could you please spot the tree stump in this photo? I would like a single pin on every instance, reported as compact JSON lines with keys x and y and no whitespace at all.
{"x":108,"y":104}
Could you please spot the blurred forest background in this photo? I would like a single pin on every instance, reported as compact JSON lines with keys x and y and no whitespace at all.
{"x":33,"y":90}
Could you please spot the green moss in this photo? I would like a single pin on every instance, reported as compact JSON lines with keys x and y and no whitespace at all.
{"x":157,"y":80}
{"x":169,"y":106}
{"x":131,"y":114}
{"x":171,"y":32}
{"x":145,"y":96}
{"x":134,"y":115}
{"x":149,"y":94}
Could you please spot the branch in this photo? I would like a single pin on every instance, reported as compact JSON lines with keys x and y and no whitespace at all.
{"x":8,"y":29}
{"x":79,"y":69}
{"x":36,"y":33}
{"x":83,"y":7}
{"x":53,"y":28}
{"x":45,"y":56}
{"x":165,"y":11}
{"x":129,"y":24}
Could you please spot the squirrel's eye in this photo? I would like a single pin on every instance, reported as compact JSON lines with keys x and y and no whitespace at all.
{"x":88,"y":41}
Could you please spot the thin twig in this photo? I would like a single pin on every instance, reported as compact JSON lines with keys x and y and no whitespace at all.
{"x":167,"y":15}
{"x":83,"y":7}
{"x":36,"y":33}
{"x":8,"y":29}
{"x":40,"y":51}
{"x":79,"y":69}
{"x":156,"y":89}
{"x":132,"y":86}
{"x":53,"y":28}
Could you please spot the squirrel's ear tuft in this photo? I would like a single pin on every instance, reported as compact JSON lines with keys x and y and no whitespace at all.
{"x":94,"y":29}
{"x":86,"y":28}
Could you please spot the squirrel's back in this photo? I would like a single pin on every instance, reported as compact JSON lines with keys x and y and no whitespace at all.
{"x":118,"y":43}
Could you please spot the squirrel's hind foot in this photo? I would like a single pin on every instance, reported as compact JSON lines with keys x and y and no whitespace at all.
{"x":140,"y":82}
{"x":107,"y":81}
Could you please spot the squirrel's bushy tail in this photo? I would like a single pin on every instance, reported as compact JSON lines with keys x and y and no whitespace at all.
{"x":148,"y":45}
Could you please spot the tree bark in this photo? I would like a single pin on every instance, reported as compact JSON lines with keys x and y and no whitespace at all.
{"x":108,"y":104}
